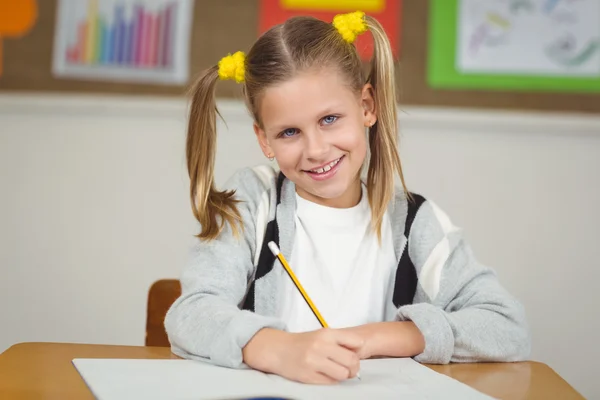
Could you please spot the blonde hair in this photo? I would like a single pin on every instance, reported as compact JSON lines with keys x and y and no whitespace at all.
{"x":299,"y":44}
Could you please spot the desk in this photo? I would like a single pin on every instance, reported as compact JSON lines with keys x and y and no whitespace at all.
{"x":44,"y":370}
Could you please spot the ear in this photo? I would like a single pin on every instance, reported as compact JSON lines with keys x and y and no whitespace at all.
{"x":261,"y":136}
{"x":367,"y":99}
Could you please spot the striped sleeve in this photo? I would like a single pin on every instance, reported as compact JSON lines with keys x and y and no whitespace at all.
{"x":462,"y":310}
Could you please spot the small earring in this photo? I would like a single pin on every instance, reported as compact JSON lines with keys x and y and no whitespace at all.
{"x":270,"y":157}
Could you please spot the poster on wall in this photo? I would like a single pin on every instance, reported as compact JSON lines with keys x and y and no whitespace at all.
{"x":387,"y":12}
{"x":123,"y":40}
{"x":515,"y":44}
{"x":550,"y":37}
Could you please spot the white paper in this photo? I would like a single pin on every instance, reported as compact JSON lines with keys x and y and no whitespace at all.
{"x":143,"y":41}
{"x":536,"y":37}
{"x":113,"y":379}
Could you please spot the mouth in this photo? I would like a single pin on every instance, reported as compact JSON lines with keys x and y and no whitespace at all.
{"x":325,"y":171}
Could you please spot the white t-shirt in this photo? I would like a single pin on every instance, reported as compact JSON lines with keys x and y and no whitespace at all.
{"x":342,"y":267}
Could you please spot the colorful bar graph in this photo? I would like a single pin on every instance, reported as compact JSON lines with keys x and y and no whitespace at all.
{"x":166,"y":48}
{"x":81,"y":42}
{"x":135,"y":37}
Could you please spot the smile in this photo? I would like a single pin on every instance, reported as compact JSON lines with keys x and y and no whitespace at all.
{"x":326,"y":171}
{"x":325,"y":168}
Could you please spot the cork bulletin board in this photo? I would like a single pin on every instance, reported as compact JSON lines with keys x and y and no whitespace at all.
{"x":224,"y":26}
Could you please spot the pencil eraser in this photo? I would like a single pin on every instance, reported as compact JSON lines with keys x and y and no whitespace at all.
{"x":274,"y":249}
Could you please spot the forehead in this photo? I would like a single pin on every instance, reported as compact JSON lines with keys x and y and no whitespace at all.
{"x":305,"y":97}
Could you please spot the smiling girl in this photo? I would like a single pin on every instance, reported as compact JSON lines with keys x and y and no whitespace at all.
{"x":387,"y":268}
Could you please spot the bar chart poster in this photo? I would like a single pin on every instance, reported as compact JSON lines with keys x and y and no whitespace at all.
{"x":140,"y":41}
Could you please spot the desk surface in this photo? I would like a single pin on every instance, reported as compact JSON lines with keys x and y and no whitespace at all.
{"x":44,"y":370}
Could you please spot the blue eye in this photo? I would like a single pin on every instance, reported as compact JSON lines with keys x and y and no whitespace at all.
{"x":289,"y":132}
{"x":330,"y":119}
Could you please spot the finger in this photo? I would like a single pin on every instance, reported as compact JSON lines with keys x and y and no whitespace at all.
{"x":349,"y":340}
{"x":333,"y":370}
{"x":346,"y":358}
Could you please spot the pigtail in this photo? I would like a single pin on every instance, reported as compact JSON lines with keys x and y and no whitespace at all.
{"x":383,"y":136}
{"x":211,"y":207}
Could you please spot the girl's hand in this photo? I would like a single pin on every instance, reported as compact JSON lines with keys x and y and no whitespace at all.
{"x":325,"y":356}
{"x":389,"y":339}
{"x":366,"y":334}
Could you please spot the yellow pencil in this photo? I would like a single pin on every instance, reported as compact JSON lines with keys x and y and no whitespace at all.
{"x":275,"y":250}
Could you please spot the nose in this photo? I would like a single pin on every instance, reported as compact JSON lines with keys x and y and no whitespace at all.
{"x":316,"y":146}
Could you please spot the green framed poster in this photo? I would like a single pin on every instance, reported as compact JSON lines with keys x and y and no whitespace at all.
{"x":514,"y":45}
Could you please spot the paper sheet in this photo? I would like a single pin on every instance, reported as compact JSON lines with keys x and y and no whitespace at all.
{"x":114,"y":379}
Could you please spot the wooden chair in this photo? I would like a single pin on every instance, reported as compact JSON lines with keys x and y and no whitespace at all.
{"x":161,"y":295}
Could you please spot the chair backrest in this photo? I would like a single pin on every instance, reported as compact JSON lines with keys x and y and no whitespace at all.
{"x":161,"y":296}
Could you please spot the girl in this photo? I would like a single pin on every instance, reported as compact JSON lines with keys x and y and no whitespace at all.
{"x":387,"y":269}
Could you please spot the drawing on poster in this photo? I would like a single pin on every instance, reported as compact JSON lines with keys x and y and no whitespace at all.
{"x":536,"y":37}
{"x":123,"y":40}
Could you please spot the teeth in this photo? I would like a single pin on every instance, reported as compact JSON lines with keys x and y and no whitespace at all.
{"x":326,"y":168}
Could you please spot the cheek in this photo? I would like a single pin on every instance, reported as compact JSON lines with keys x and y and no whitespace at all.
{"x":288,"y":155}
{"x":355,"y":141}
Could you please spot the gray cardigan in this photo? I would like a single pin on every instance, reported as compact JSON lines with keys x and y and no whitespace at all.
{"x":230,"y":287}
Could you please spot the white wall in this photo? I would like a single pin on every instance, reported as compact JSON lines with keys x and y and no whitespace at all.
{"x":94,"y":208}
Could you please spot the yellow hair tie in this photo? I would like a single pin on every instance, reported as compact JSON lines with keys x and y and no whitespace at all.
{"x":350,"y":25}
{"x":233,"y":67}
